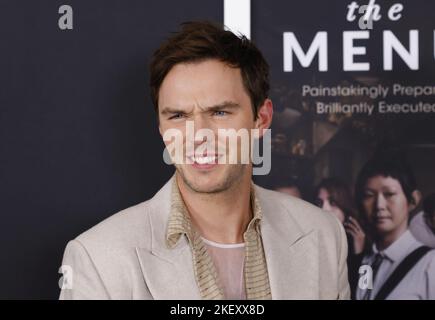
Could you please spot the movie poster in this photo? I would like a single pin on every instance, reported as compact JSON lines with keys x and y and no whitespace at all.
{"x":349,"y":79}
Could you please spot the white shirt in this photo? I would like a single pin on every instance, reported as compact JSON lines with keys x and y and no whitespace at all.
{"x":418,"y":283}
{"x":421,"y":231}
{"x":229,"y":261}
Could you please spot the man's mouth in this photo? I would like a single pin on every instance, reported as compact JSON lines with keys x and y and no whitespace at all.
{"x":209,"y":159}
{"x":205,"y":161}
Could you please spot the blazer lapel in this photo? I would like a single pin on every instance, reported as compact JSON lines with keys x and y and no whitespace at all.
{"x":169,"y":273}
{"x":170,"y":277}
{"x":292,"y":254}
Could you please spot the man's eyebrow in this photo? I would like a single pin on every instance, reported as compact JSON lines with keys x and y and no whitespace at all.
{"x":220,"y":106}
{"x":223,"y":105}
{"x":171,"y":110}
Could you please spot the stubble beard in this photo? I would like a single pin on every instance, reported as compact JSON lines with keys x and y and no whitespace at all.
{"x":232,"y":177}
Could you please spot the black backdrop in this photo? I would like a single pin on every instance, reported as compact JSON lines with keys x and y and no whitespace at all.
{"x":78,"y":137}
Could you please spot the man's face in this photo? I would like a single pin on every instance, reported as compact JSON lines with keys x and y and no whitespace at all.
{"x":210,"y":95}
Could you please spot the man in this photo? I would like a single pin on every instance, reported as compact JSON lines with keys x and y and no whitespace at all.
{"x":210,"y":233}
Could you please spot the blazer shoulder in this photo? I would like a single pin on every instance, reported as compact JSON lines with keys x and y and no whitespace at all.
{"x":305,"y":214}
{"x":104,"y":258}
{"x":126,"y":228}
{"x":130,"y":227}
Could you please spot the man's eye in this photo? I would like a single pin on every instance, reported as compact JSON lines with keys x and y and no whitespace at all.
{"x":176,"y":116}
{"x":220,"y":113}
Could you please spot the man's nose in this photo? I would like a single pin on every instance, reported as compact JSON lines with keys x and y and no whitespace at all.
{"x":200,"y":122}
{"x":203,"y":130}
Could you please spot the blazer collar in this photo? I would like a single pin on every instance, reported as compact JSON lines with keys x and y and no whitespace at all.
{"x":291,"y":252}
{"x":168,"y":272}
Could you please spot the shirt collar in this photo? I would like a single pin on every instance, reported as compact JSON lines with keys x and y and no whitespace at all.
{"x":399,"y":248}
{"x":179,"y":222}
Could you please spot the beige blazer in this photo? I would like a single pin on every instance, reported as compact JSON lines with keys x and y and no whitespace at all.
{"x":125,"y":256}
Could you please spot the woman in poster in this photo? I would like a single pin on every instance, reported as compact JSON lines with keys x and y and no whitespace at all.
{"x":334,"y":196}
{"x":400,"y":266}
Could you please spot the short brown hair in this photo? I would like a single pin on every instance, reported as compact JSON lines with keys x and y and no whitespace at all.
{"x":201,"y":40}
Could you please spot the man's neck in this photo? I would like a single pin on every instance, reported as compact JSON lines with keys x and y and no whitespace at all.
{"x":220,"y":217}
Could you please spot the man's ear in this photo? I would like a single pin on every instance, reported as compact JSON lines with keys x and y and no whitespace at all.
{"x":415,"y":199}
{"x":264,"y":116}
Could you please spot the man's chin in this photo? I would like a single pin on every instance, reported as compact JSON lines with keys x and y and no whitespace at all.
{"x":203,"y":182}
{"x":201,"y":186}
